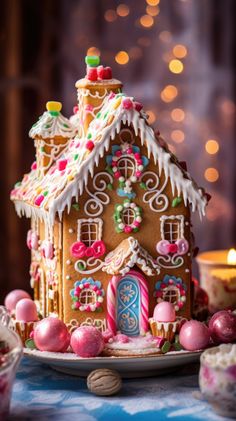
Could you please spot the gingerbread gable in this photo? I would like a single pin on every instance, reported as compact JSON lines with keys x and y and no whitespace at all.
{"x":68,"y":176}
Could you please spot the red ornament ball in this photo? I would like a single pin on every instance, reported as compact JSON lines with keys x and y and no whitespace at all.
{"x":222,"y":326}
{"x":87,"y":342}
{"x":194,"y":335}
{"x":13,"y":297}
{"x":51,"y":334}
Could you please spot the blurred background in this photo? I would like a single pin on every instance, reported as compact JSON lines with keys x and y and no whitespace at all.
{"x":175,"y":56}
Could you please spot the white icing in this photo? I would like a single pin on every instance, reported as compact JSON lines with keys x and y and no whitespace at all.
{"x":158,"y":202}
{"x":94,"y":263}
{"x":120,"y":261}
{"x":170,"y":262}
{"x":98,"y":199}
{"x":49,"y":126}
{"x":62,"y":188}
{"x":164,"y":218}
{"x":97,"y":221}
{"x":222,"y":356}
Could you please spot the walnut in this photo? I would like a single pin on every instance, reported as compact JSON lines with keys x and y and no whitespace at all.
{"x":104,"y":382}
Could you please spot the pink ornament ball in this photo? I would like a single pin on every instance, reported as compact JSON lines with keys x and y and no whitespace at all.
{"x":164,"y":312}
{"x":51,"y":334}
{"x":13,"y":297}
{"x":222,"y":326}
{"x":87,"y":342}
{"x":194,"y":335}
{"x":26,"y":310}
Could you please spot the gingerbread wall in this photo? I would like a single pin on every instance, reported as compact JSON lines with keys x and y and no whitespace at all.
{"x":148,"y":236}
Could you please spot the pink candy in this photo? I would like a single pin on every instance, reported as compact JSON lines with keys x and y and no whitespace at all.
{"x":89,"y":145}
{"x":164,"y":312}
{"x":26,"y":310}
{"x":120,"y":337}
{"x":48,"y":249}
{"x":127,"y":103}
{"x":34,"y":165}
{"x":194,"y":335}
{"x":61,"y":164}
{"x":107,"y":335}
{"x":51,"y":334}
{"x":127,"y":229}
{"x":39,"y":199}
{"x":87,"y":342}
{"x":13,"y":297}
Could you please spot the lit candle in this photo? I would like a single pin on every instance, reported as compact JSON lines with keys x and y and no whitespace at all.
{"x":218,"y":278}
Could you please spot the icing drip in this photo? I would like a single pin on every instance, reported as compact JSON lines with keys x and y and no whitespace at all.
{"x":63,"y":186}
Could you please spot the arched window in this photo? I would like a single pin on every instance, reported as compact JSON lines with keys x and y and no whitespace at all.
{"x":171,"y":294}
{"x":87,"y":296}
{"x":172,"y":227}
{"x":128,"y":216}
{"x":89,"y":230}
{"x":126,"y":166}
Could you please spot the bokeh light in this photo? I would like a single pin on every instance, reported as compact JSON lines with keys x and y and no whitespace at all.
{"x":176,"y":66}
{"x":177,"y":114}
{"x":212,"y":146}
{"x":211,"y":175}
{"x":93,"y":51}
{"x":146,"y":21}
{"x":122,"y":10}
{"x":177,"y":136}
{"x":151,"y":116}
{"x":122,"y":57}
{"x":169,"y":93}
{"x":153,"y":2}
{"x":180,"y":51}
{"x":110,"y":15}
{"x":152,"y":10}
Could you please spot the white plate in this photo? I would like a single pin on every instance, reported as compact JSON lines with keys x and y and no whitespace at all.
{"x":127,"y":366}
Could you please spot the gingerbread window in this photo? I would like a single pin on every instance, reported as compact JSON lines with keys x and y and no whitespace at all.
{"x":89,"y":230}
{"x":87,"y":296}
{"x":171,"y":294}
{"x":128,"y":216}
{"x":126,"y":166}
{"x":172,"y":227}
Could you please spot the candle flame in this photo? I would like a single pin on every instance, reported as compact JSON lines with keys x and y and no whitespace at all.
{"x":231,"y":258}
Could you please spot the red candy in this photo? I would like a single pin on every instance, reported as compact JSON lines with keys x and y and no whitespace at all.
{"x":127,"y":103}
{"x":61,"y":164}
{"x":89,"y":145}
{"x":92,"y":74}
{"x":138,"y":106}
{"x":34,"y":166}
{"x":104,"y":72}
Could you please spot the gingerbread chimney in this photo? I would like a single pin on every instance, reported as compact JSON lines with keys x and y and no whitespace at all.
{"x":51,"y":134}
{"x":92,"y":92}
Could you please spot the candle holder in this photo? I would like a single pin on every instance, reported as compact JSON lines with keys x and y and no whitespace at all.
{"x":9,"y":363}
{"x":217,"y":378}
{"x":218,"y":278}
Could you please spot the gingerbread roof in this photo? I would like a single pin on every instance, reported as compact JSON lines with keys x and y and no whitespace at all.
{"x":128,"y":254}
{"x":68,"y":176}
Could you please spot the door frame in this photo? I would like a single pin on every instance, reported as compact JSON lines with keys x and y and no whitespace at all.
{"x":112,"y":300}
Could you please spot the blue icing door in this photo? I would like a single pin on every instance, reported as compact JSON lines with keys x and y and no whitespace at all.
{"x":128,"y":306}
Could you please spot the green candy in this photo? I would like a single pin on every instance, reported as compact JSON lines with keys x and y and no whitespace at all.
{"x":166,"y":347}
{"x":177,"y":346}
{"x":45,"y":193}
{"x":76,"y":157}
{"x":89,"y":136}
{"x":29,"y":343}
{"x":75,"y":206}
{"x":92,"y":61}
{"x":110,"y":186}
{"x":176,"y":202}
{"x":81,"y":266}
{"x":143,"y":186}
{"x":54,"y":113}
{"x":18,"y":184}
{"x":98,"y":115}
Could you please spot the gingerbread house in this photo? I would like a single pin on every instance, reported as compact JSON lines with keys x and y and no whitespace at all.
{"x":110,"y":209}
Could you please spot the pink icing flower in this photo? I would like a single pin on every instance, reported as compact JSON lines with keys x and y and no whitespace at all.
{"x":127,"y":229}
{"x":127,"y":103}
{"x":99,"y":248}
{"x":89,"y":252}
{"x":78,"y":249}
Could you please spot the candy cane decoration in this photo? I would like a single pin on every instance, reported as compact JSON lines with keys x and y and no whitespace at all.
{"x":111,"y":301}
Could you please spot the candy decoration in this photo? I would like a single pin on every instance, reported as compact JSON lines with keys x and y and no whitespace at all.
{"x":32,"y":240}
{"x":127,"y":103}
{"x":222,"y":326}
{"x":194,"y":335}
{"x":163,"y":247}
{"x":81,"y":288}
{"x":89,"y":145}
{"x":166,"y":347}
{"x":87,"y":342}
{"x":176,"y":202}
{"x":92,"y":61}
{"x":112,"y":302}
{"x":39,"y":200}
{"x":92,"y":74}
{"x":51,"y":334}
{"x":78,"y":249}
{"x":13,"y":297}
{"x":26,"y":310}
{"x":164,"y":312}
{"x":48,"y":249}
{"x":182,"y":246}
{"x":174,"y":284}
{"x":119,"y":218}
{"x":61,"y":164}
{"x":104,"y":72}
{"x":54,"y":107}
{"x":34,"y":166}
